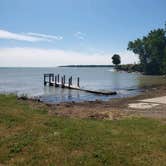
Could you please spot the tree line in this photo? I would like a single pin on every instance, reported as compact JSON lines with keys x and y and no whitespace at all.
{"x":151,"y":50}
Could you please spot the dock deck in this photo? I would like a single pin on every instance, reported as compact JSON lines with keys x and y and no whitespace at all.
{"x":54,"y":80}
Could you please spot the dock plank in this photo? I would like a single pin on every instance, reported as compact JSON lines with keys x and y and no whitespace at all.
{"x":52,"y":82}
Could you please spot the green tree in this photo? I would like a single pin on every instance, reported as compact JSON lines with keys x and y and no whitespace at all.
{"x":116,"y":60}
{"x":152,"y":51}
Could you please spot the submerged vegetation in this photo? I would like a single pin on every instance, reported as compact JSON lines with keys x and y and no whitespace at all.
{"x":30,"y":136}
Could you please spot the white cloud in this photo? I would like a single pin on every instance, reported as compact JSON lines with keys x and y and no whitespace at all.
{"x":44,"y":36}
{"x":37,"y":57}
{"x":80,"y":35}
{"x":29,"y":37}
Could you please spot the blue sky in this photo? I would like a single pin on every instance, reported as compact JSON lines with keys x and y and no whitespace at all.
{"x":58,"y":32}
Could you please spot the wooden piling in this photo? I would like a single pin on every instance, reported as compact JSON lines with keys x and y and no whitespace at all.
{"x":78,"y":81}
{"x":55,"y":80}
{"x":45,"y":80}
{"x":62,"y":82}
{"x":49,"y":80}
{"x":52,"y":78}
{"x":64,"y":79}
{"x":58,"y":78}
{"x":71,"y":81}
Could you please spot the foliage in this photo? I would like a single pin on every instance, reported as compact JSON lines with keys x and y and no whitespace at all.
{"x":116,"y":59}
{"x":152,"y":52}
{"x":130,"y":67}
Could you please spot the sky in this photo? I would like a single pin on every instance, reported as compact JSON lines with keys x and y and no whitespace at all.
{"x":48,"y":33}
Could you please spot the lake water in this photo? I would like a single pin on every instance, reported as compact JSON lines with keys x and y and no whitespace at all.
{"x":29,"y":81}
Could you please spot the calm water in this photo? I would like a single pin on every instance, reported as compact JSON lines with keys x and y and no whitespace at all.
{"x":29,"y":81}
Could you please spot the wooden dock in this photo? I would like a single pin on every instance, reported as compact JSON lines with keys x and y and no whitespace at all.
{"x":51,"y":79}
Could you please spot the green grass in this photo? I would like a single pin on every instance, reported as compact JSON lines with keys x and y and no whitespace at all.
{"x":32,"y":137}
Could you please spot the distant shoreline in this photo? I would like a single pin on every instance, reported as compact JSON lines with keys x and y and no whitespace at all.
{"x":59,"y":66}
{"x":87,"y":66}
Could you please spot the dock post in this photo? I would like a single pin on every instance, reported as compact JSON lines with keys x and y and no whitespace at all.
{"x":55,"y":81}
{"x":62,"y":82}
{"x":53,"y":78}
{"x":45,"y":80}
{"x":64,"y":79}
{"x":58,"y":78}
{"x":49,"y":79}
{"x":78,"y":82}
{"x":71,"y":81}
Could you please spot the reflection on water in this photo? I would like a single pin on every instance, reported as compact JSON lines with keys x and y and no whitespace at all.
{"x":65,"y":94}
{"x":30,"y":81}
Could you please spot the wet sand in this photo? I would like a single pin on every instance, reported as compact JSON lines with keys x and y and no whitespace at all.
{"x":114,"y":109}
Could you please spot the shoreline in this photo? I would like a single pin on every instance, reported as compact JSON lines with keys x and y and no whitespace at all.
{"x":113,"y":109}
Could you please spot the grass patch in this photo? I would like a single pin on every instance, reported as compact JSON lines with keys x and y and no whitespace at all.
{"x":32,"y":137}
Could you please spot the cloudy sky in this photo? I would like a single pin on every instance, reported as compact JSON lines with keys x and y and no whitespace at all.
{"x":52,"y":32}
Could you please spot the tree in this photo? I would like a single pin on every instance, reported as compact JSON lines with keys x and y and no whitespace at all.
{"x":116,"y":60}
{"x":152,"y":52}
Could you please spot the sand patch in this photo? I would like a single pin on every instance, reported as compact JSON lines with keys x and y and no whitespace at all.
{"x":158,"y":100}
{"x":142,"y":105}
